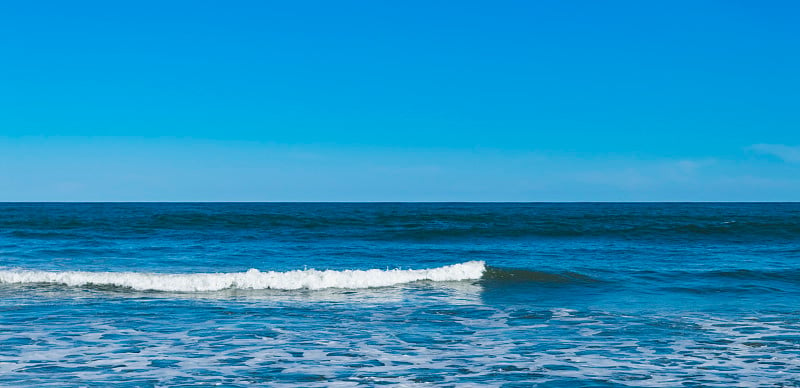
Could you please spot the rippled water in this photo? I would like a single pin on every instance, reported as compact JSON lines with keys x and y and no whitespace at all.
{"x":570,"y":294}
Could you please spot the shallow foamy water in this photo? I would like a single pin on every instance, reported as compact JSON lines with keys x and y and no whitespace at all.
{"x":416,"y":334}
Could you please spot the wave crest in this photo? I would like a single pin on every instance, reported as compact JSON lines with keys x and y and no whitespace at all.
{"x":253,"y":279}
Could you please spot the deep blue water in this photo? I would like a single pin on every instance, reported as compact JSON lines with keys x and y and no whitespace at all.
{"x":570,"y":294}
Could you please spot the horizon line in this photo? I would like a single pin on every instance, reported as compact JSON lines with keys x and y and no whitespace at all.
{"x":383,"y":202}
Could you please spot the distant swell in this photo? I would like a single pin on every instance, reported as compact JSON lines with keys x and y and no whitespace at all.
{"x":404,"y":222}
{"x":253,"y":279}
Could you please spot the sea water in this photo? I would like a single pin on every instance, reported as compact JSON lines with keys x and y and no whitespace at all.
{"x":348,"y":294}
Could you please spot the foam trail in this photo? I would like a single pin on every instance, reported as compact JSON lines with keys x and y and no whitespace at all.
{"x":253,"y":279}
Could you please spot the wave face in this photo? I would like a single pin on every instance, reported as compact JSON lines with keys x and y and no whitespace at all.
{"x":516,"y":276}
{"x":253,"y":279}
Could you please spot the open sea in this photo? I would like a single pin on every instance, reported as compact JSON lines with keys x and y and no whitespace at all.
{"x":367,"y":294}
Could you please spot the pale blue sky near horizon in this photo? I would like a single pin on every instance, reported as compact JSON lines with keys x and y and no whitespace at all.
{"x":399,"y":101}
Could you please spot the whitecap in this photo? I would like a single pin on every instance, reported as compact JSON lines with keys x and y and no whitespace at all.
{"x":253,"y":279}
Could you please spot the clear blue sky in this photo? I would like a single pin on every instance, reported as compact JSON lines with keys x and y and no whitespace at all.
{"x":399,"y":101}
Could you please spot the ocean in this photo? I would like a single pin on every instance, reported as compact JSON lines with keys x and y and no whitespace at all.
{"x":428,"y":294}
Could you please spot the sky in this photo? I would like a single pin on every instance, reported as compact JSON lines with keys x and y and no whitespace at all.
{"x":399,"y":101}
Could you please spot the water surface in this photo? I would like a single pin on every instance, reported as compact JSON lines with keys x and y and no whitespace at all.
{"x":369,"y":294}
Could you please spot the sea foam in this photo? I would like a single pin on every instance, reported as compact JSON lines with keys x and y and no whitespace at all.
{"x":253,"y":279}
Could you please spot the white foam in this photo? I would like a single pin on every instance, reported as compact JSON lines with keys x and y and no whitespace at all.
{"x":253,"y":279}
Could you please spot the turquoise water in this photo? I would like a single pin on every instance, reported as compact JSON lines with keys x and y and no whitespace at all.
{"x":371,"y":294}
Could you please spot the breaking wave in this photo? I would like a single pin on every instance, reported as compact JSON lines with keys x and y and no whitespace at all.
{"x":253,"y":279}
